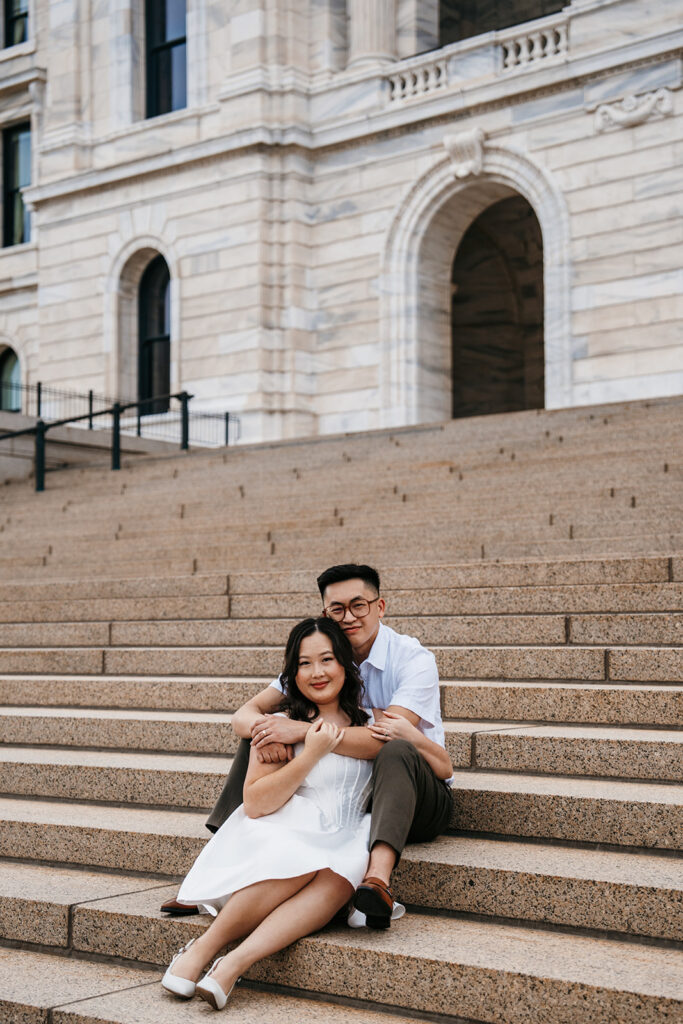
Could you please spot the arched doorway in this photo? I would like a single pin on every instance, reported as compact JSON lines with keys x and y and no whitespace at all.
{"x":154,"y":339}
{"x":416,"y":382}
{"x":497,"y":312}
{"x":10,"y":381}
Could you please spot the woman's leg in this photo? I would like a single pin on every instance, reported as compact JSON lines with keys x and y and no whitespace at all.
{"x":304,"y":912}
{"x":243,"y":912}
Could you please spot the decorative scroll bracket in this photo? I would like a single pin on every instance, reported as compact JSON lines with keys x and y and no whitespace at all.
{"x":466,"y":150}
{"x":633,"y":110}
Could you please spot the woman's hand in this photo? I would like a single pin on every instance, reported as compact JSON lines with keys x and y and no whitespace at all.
{"x":322,"y":738}
{"x":393,"y":727}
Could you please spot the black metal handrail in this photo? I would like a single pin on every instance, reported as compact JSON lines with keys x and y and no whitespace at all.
{"x":41,"y":427}
{"x":207,"y":428}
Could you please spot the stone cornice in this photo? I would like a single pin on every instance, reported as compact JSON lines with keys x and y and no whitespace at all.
{"x":22,"y":79}
{"x":453,"y":103}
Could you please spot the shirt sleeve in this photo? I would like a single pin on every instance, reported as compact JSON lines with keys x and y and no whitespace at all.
{"x":417,"y":685}
{"x":278,"y":684}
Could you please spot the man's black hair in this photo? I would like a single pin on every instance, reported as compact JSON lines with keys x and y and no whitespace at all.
{"x":341,"y":573}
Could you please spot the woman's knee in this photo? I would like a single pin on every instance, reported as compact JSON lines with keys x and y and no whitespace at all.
{"x":335,"y":883}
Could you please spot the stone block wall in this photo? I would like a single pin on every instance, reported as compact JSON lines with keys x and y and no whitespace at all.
{"x":310,"y":211}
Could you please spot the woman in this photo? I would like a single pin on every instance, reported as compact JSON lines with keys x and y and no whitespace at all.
{"x":291,"y":856}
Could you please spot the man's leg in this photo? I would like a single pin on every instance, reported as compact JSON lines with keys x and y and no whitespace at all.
{"x":409,"y":803}
{"x":229,"y":800}
{"x":232,"y":794}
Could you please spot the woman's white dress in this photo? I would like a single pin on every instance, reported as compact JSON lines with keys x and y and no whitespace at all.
{"x":323,"y":825}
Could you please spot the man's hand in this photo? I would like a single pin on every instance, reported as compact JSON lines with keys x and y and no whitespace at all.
{"x":275,"y":729}
{"x":275,"y":753}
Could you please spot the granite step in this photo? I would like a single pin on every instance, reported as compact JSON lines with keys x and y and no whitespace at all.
{"x":473,"y":575}
{"x":498,"y":746}
{"x":579,"y":750}
{"x":484,"y":662}
{"x":198,"y":693}
{"x":458,"y":600}
{"x":642,"y":628}
{"x":622,"y":813}
{"x":33,"y":986}
{"x":35,"y":899}
{"x":54,"y":634}
{"x":188,"y":732}
{"x":114,"y":589}
{"x":422,"y":577}
{"x":485,"y":971}
{"x":113,"y":610}
{"x":169,"y":780}
{"x":40,"y":988}
{"x":618,"y":892}
{"x":488,"y":629}
{"x":597,"y":703}
{"x":67,"y":661}
{"x":154,"y":730}
{"x":128,"y":839}
{"x":637,"y":664}
{"x":544,"y":701}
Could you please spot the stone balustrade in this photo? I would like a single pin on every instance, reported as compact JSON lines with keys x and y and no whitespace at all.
{"x":539,"y":41}
{"x":494,"y":53}
{"x":427,"y":77}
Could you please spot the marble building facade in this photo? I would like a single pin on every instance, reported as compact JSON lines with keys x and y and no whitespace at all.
{"x":310,"y":192}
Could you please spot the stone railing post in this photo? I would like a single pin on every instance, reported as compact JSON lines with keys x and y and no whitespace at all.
{"x":372,"y":32}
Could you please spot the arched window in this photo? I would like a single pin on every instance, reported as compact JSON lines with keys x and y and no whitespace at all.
{"x":10,"y":381}
{"x":154,"y":367}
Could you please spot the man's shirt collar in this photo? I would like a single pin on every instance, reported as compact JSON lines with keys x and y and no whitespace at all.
{"x":378,"y":652}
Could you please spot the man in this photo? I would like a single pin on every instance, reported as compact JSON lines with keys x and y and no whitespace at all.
{"x":410,"y":803}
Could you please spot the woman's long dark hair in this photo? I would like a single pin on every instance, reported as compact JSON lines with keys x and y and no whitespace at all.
{"x":301,"y":708}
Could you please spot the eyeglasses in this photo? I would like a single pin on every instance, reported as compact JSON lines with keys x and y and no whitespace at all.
{"x":359,"y":608}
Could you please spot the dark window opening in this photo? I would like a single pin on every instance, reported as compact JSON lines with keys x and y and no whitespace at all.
{"x":154,"y":376}
{"x":166,"y":56}
{"x":16,"y":155}
{"x":462,"y":19}
{"x":497,"y":313}
{"x":10,"y":381}
{"x":16,"y":22}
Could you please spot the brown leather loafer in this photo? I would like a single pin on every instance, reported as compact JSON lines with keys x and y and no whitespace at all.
{"x":374,"y":899}
{"x":178,"y":909}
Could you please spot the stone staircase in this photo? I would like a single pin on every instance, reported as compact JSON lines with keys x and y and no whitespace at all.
{"x":139,"y":609}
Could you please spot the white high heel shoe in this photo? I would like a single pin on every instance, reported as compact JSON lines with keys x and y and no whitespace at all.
{"x":211,"y":991}
{"x":181,"y":987}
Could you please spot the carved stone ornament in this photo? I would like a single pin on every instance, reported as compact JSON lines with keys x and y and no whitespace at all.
{"x":633,"y":110}
{"x":466,"y":150}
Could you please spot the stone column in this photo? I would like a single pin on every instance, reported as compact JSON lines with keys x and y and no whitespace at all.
{"x":372,"y":31}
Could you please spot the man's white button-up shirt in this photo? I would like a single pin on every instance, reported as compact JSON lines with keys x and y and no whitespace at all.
{"x":399,"y":671}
